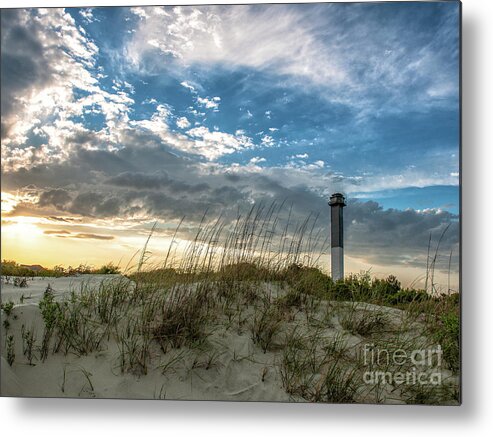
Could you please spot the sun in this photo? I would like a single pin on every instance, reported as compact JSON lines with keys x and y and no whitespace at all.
{"x":22,"y":229}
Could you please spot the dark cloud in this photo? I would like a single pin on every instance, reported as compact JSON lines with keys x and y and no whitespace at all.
{"x":394,"y":236}
{"x":93,"y":236}
{"x":232,"y":177}
{"x":55,"y":232}
{"x":81,"y":235}
{"x":59,"y":219}
{"x":92,"y":204}
{"x":58,"y":198}
{"x":139,"y":180}
{"x":24,"y":65}
{"x":147,"y":180}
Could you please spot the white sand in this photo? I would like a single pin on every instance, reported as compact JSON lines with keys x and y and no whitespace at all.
{"x":240,"y":370}
{"x":62,"y":287}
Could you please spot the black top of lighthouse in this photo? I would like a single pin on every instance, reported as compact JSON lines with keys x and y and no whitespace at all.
{"x":337,"y":199}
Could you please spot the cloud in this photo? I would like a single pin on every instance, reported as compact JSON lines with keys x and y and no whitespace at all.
{"x":257,"y":160}
{"x":209,"y":103}
{"x":82,"y":236}
{"x":364,"y":56}
{"x":215,"y":144}
{"x":398,"y":237}
{"x":55,"y":232}
{"x":24,"y":66}
{"x":94,"y":204}
{"x":48,"y":62}
{"x":248,"y":36}
{"x":267,"y":141}
{"x":188,"y":86}
{"x":87,"y":15}
{"x":183,"y":123}
{"x":92,"y":236}
{"x":146,"y":181}
{"x":57,"y":198}
{"x":130,"y":185}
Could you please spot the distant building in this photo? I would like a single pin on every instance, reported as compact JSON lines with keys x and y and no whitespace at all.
{"x":34,"y":267}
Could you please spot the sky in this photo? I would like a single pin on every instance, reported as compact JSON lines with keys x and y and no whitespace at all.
{"x":113,"y":119}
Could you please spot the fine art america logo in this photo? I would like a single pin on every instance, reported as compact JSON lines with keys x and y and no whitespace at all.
{"x":398,"y":366}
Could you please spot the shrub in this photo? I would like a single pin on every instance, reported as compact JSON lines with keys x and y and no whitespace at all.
{"x":448,"y":336}
{"x":7,"y":308}
{"x":386,"y":287}
{"x":10,"y":350}
{"x":341,"y":290}
{"x":408,"y":296}
{"x":20,"y":282}
{"x":107,"y":269}
{"x":50,"y":311}
{"x":244,"y":271}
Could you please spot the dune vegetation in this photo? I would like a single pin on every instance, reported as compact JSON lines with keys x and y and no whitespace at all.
{"x":11,"y":268}
{"x":245,"y":314}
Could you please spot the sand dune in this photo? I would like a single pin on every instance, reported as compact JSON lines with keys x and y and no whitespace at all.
{"x":229,"y":364}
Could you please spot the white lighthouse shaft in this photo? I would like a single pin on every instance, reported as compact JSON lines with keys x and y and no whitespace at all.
{"x":337,"y":203}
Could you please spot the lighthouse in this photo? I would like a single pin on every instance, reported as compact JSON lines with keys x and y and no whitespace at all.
{"x":337,"y":202}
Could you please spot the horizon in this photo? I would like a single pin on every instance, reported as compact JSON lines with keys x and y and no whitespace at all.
{"x":114,"y":118}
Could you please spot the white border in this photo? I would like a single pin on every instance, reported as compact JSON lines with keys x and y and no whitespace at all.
{"x":35,"y":417}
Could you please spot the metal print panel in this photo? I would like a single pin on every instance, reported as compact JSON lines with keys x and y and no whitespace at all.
{"x":237,"y":202}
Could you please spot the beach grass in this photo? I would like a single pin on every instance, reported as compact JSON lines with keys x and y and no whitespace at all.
{"x":254,"y":284}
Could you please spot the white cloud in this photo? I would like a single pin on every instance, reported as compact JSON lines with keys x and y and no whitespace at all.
{"x":188,"y":86}
{"x":71,"y":56}
{"x":257,"y":160}
{"x":87,"y":15}
{"x":263,"y":38}
{"x":273,"y":129}
{"x":209,"y":103}
{"x":151,"y":101}
{"x":183,"y":123}
{"x":345,"y":53}
{"x":267,"y":141}
{"x":213,"y":145}
{"x":140,"y":12}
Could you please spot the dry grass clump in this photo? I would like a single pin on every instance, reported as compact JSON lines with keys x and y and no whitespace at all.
{"x":316,"y":369}
{"x":364,"y":323}
{"x":134,"y":347}
{"x":267,"y":322}
{"x":184,"y":317}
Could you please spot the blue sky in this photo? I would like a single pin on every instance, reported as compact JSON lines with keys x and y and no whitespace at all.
{"x":357,"y":129}
{"x":315,"y":98}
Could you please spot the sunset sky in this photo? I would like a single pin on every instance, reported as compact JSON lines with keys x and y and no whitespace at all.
{"x":114,"y":118}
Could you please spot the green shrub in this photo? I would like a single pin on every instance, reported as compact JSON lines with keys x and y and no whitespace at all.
{"x":107,"y":269}
{"x":448,"y":336}
{"x":408,"y":296}
{"x":7,"y":308}
{"x":341,"y":290}
{"x":10,"y":350}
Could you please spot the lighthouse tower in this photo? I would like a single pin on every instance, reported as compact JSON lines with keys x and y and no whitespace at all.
{"x":337,"y":202}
